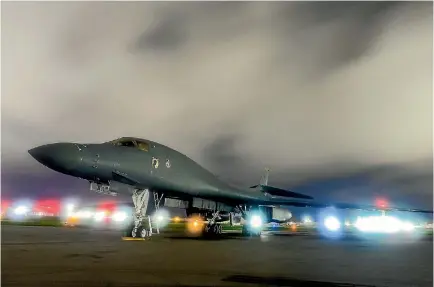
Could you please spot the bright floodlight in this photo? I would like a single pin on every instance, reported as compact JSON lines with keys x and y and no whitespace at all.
{"x":119,"y":216}
{"x":86,"y":214}
{"x":99,"y":216}
{"x":383,"y":224}
{"x":162,"y":217}
{"x":332,"y":223}
{"x":390,"y":224}
{"x":20,"y":210}
{"x":407,"y":226}
{"x":177,"y":219}
{"x":256,"y":221}
{"x":82,"y":214}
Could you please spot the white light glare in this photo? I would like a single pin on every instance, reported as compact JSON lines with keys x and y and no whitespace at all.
{"x":119,"y":216}
{"x":256,"y":221}
{"x":162,"y":217}
{"x":82,"y":214}
{"x":99,"y":216}
{"x":382,"y":224}
{"x":332,"y":223}
{"x":307,"y":219}
{"x":407,"y":226}
{"x":20,"y":210}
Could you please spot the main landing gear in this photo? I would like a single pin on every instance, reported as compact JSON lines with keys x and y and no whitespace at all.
{"x":142,"y":225}
{"x":212,"y":228}
{"x":252,"y":225}
{"x":250,"y":232}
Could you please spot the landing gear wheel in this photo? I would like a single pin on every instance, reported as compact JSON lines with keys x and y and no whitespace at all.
{"x":256,"y":233}
{"x":211,"y":230}
{"x":245,"y":231}
{"x":144,"y":233}
{"x":251,"y":233}
{"x":135,"y":232}
{"x":208,"y":230}
{"x":140,"y":232}
{"x":219,"y":229}
{"x":128,"y":230}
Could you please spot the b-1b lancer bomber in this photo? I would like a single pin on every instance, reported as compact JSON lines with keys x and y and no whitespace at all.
{"x":148,"y":167}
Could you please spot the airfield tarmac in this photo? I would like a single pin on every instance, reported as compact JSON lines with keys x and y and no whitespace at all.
{"x":50,"y":256}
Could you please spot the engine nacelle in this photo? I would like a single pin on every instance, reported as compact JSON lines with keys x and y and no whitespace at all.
{"x":275,"y":214}
{"x":281,"y":214}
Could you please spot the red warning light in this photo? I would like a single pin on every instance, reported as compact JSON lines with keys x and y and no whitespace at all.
{"x":4,"y":205}
{"x":381,"y":203}
{"x":47,"y":207}
{"x":107,"y":206}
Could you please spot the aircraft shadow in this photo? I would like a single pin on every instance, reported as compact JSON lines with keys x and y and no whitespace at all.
{"x":318,"y":237}
{"x":210,"y":238}
{"x":282,"y":281}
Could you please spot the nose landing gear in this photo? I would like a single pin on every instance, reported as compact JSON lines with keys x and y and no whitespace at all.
{"x":212,"y":229}
{"x":142,"y":225}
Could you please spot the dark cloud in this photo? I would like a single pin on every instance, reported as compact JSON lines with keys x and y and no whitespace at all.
{"x":225,"y":157}
{"x":168,"y":34}
{"x":331,"y":96}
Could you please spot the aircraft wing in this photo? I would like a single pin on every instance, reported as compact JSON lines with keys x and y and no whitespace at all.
{"x":275,"y":191}
{"x":316,"y":204}
{"x":272,"y":200}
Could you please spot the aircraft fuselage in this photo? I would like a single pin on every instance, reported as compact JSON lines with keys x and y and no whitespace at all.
{"x":156,"y":167}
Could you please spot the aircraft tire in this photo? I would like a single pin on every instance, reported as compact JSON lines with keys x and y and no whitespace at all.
{"x":212,"y":230}
{"x":143,"y":232}
{"x":135,"y":232}
{"x":140,"y":232}
{"x":256,"y":234}
{"x":247,"y":232}
{"x":128,"y":230}
{"x":215,"y":229}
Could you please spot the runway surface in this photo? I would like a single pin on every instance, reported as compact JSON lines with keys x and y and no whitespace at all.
{"x":50,"y":256}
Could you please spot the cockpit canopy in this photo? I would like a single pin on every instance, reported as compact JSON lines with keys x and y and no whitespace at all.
{"x":140,"y":144}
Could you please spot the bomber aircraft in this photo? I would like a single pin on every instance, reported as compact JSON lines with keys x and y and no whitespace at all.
{"x":148,"y":167}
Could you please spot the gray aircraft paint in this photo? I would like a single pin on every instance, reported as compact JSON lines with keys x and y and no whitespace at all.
{"x":107,"y":162}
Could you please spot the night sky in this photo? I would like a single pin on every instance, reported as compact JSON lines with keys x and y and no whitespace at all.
{"x":336,"y":98}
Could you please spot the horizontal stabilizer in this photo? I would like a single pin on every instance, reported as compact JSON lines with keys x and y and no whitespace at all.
{"x":314,"y":204}
{"x":275,"y":191}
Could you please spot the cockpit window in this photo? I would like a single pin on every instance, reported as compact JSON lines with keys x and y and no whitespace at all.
{"x":123,"y":142}
{"x":129,"y":142}
{"x":144,"y":146}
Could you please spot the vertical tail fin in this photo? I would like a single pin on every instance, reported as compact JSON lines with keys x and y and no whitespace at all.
{"x":264,"y":178}
{"x":275,"y":191}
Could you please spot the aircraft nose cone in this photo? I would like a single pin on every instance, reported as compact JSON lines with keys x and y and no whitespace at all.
{"x":61,"y":157}
{"x":39,"y":153}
